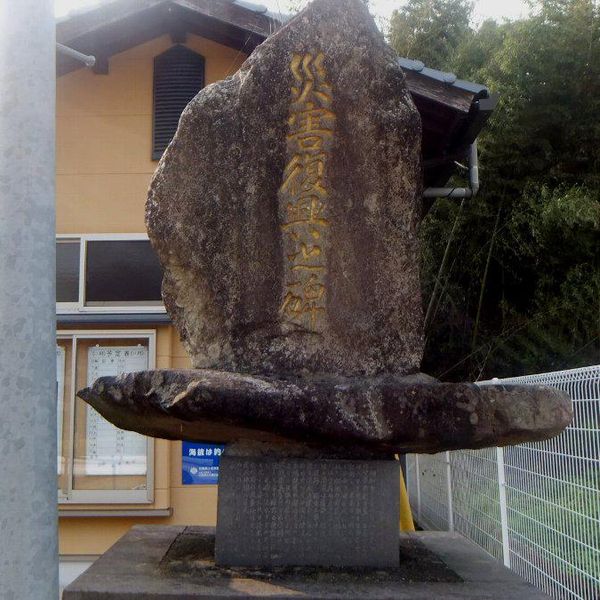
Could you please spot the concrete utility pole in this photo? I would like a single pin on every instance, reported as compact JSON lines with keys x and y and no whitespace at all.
{"x":28,"y":488}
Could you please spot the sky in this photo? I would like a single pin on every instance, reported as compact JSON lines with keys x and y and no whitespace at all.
{"x":498,"y":9}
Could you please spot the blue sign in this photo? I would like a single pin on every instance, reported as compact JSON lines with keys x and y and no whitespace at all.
{"x":200,"y":463}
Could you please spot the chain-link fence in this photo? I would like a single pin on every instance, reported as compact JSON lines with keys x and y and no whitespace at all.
{"x":536,"y":506}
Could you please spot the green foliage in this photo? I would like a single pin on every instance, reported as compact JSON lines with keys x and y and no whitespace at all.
{"x":540,"y":171}
{"x":430,"y":30}
{"x":550,"y":513}
{"x":545,"y":514}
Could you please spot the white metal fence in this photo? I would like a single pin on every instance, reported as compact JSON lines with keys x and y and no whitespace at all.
{"x":536,"y":506}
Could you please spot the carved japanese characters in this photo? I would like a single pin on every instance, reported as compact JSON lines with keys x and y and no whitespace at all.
{"x":285,"y":211}
{"x":303,"y":195}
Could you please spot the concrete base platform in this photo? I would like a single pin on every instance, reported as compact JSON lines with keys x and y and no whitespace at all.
{"x":168,"y":563}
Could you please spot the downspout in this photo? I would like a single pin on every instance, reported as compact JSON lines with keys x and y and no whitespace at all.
{"x":469,"y":192}
{"x":87,"y":60}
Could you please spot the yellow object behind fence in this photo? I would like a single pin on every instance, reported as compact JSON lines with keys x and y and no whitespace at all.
{"x":406,"y":520}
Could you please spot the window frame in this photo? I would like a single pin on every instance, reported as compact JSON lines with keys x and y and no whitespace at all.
{"x":71,"y":306}
{"x":66,"y":308}
{"x":74,"y":496}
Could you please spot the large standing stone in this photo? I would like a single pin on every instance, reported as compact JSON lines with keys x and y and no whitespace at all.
{"x":285,"y":214}
{"x":285,"y":210}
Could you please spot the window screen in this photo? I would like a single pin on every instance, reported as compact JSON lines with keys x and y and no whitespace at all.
{"x":122,"y":272}
{"x":178,"y":77}
{"x":97,"y":462}
{"x":67,"y":271}
{"x":105,"y":457}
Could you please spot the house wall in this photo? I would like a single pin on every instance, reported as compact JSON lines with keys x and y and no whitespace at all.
{"x":104,"y":137}
{"x":104,"y":166}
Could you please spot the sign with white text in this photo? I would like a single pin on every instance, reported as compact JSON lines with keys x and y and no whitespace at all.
{"x":200,"y":463}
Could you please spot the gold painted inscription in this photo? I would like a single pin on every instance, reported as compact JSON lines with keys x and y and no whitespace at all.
{"x":303,"y":195}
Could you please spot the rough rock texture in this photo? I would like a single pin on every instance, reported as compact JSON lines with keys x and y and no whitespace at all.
{"x":285,"y":210}
{"x":384,"y":414}
{"x":285,"y":214}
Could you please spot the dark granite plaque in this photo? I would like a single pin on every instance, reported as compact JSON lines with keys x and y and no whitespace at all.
{"x":276,"y":511}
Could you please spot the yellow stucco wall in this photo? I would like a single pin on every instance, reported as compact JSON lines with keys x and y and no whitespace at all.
{"x":104,"y":136}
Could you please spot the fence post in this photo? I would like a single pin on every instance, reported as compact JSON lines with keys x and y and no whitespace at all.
{"x":449,"y":491}
{"x":503,"y":508}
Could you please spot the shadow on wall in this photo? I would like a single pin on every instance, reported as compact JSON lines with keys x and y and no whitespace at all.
{"x":69,"y":570}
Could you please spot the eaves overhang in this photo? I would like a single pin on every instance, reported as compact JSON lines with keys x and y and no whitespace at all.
{"x":453,"y":111}
{"x":114,"y":27}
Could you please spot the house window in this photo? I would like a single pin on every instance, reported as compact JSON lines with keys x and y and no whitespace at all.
{"x":107,"y":273}
{"x":97,"y":462}
{"x":178,"y":77}
{"x":119,"y":272}
{"x":67,"y":270}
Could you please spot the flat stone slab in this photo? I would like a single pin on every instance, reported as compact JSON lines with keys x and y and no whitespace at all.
{"x":287,"y":511}
{"x":384,"y":415}
{"x":156,"y":562}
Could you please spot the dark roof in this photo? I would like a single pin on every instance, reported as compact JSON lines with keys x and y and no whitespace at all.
{"x":453,"y":111}
{"x":408,"y":64}
{"x":113,"y":27}
{"x":263,"y":10}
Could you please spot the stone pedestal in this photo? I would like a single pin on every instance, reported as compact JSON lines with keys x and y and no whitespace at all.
{"x":164,"y":563}
{"x":288,"y":511}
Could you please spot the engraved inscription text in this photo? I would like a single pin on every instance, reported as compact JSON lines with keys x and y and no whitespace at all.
{"x":303,"y":194}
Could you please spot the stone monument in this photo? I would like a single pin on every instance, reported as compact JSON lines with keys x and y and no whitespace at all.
{"x":285,"y":215}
